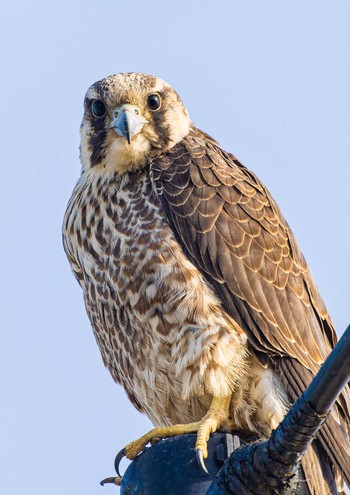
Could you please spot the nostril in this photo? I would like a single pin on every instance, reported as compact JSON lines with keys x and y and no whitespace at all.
{"x":136,"y":111}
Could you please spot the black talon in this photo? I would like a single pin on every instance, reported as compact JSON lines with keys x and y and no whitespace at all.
{"x":117,"y":461}
{"x":115,"y":480}
{"x":200,"y":460}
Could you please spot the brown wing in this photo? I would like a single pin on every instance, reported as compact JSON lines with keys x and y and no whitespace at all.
{"x":233,"y":231}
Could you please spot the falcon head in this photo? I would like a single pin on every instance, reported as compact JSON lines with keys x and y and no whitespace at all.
{"x":129,"y":119}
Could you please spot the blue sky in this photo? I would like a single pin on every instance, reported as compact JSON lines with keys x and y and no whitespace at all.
{"x":269,"y":80}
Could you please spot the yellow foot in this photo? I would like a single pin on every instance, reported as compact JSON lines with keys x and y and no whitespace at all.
{"x":217,"y":417}
{"x":135,"y":447}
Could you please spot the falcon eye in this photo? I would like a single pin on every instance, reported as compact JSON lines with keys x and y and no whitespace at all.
{"x":153,"y":102}
{"x":98,"y":108}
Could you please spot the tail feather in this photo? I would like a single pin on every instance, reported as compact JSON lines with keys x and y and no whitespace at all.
{"x":317,"y":472}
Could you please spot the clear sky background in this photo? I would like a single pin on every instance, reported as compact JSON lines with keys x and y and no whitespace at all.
{"x":268,"y":79}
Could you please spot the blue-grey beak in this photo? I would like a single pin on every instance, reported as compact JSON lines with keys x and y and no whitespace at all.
{"x":128,"y":121}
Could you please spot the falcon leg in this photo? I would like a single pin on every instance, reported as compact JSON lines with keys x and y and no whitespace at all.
{"x":217,"y":417}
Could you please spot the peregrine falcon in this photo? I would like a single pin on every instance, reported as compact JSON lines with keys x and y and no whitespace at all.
{"x":201,"y":302}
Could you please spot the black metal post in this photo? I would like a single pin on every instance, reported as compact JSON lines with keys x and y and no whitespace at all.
{"x":170,"y":467}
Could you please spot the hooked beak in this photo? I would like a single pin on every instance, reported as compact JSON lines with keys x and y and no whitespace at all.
{"x":128,"y":121}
